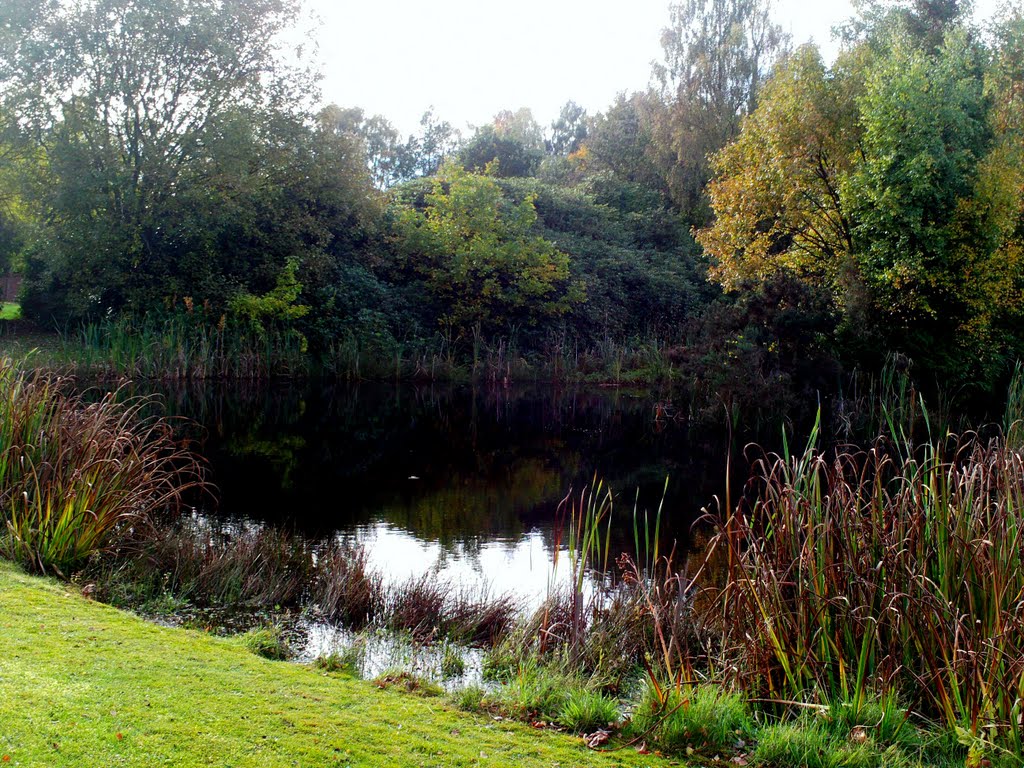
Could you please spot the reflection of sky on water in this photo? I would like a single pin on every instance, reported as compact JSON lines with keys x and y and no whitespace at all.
{"x":521,"y":566}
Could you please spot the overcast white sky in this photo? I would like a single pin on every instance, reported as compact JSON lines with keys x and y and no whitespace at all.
{"x":472,"y":58}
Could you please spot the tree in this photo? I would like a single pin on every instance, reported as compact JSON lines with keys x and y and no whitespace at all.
{"x":479,"y":256}
{"x":776,"y":194}
{"x":437,"y":141}
{"x":513,"y":142}
{"x":717,"y":54}
{"x":388,"y":156}
{"x":174,"y":150}
{"x":568,"y":131}
{"x":891,"y":182}
{"x":924,"y":133}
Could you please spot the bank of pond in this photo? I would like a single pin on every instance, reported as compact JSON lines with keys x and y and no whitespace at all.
{"x":833,"y":605}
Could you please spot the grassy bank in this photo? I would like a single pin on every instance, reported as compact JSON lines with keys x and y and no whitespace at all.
{"x":84,"y":684}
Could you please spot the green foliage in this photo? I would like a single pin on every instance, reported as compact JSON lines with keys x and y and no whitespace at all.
{"x":203,"y":179}
{"x":480,"y":259}
{"x":278,"y":307}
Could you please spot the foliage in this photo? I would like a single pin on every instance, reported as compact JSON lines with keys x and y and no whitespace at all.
{"x":480,"y":259}
{"x":887,"y":181}
{"x":278,"y":306}
{"x":202,"y":178}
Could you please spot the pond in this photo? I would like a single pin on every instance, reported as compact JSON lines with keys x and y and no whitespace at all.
{"x":460,"y":481}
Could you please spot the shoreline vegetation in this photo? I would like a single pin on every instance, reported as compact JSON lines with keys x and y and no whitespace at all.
{"x":849,"y":607}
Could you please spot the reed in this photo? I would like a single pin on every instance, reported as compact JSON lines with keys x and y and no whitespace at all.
{"x":858,"y":574}
{"x":183,"y":346}
{"x":74,"y":475}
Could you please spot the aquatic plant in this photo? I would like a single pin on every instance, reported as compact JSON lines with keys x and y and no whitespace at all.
{"x":75,"y":474}
{"x":856,"y":574}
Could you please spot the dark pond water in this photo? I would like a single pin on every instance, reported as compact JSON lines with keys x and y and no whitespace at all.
{"x":460,"y":480}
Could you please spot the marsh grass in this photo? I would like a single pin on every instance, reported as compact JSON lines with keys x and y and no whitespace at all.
{"x":896,"y":570}
{"x":184,"y":345}
{"x":76,"y":475}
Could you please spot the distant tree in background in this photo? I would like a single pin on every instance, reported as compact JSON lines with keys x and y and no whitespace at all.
{"x":568,"y":130}
{"x":717,"y":54}
{"x":512,"y":145}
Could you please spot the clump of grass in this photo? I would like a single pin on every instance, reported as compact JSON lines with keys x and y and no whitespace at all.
{"x":428,"y":608}
{"x":789,"y":744}
{"x":536,"y":690}
{"x":268,"y":642}
{"x":348,"y":661}
{"x":692,"y":718}
{"x":208,"y":565}
{"x":408,"y":682}
{"x":345,"y":588}
{"x":76,"y":475}
{"x":469,"y":698}
{"x":889,"y":571}
{"x":585,"y":710}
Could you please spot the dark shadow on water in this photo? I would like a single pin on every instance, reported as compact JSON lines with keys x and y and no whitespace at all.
{"x":435,"y":474}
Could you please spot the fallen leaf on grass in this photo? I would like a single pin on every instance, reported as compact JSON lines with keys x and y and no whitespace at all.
{"x":596,"y":739}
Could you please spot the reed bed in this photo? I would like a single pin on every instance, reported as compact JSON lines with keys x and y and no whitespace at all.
{"x":858,"y":574}
{"x":184,"y":346}
{"x":75,"y":475}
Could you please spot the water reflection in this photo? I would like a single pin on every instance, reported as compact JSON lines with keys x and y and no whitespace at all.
{"x":465,"y":481}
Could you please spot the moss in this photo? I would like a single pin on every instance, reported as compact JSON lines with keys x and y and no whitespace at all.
{"x":85,"y":684}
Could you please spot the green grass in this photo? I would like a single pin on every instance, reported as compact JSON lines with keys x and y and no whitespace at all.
{"x":10,"y":310}
{"x":85,"y":684}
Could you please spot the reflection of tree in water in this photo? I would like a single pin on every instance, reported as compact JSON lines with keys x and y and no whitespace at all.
{"x":491,"y":463}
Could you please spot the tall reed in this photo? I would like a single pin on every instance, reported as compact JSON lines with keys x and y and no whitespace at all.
{"x":854,"y":574}
{"x":74,"y":474}
{"x":184,"y":346}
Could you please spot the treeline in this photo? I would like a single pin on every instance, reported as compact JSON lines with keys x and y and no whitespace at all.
{"x":755,"y":218}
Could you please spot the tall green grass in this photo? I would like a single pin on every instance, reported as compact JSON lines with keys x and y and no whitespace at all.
{"x":74,"y":474}
{"x":184,"y":346}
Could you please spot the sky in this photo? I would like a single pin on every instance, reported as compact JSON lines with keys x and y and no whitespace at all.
{"x":469,"y":59}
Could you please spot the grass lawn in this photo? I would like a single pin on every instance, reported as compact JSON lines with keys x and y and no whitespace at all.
{"x":9,"y":310}
{"x":84,"y":684}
